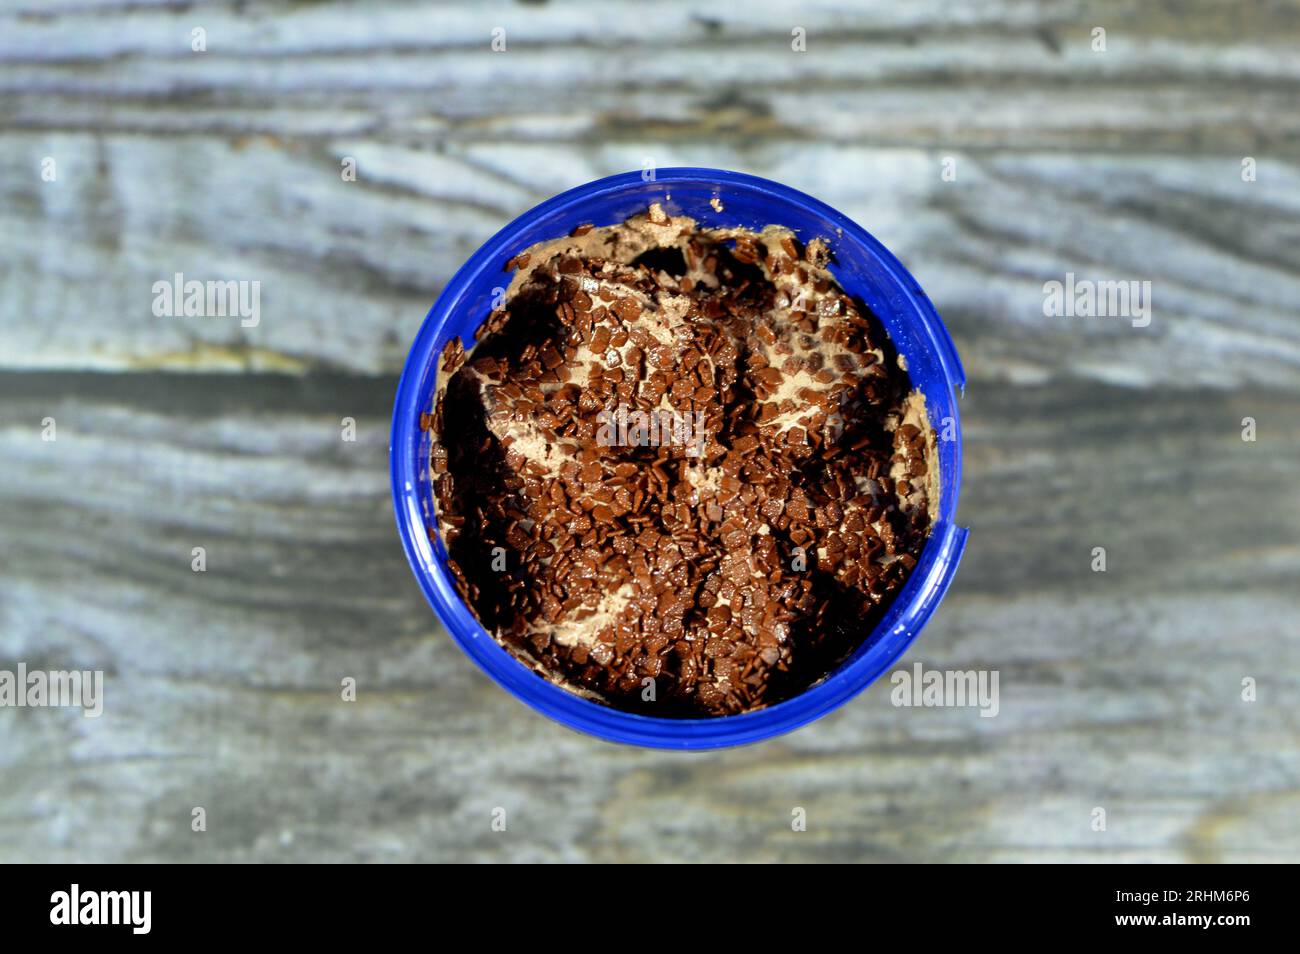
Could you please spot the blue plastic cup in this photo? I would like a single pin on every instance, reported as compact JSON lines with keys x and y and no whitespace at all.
{"x":863,"y":267}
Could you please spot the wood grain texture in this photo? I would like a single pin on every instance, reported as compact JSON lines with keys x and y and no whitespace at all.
{"x":1119,"y":689}
{"x":226,"y":164}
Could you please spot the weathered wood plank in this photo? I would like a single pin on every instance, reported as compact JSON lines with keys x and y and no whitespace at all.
{"x":1119,"y":690}
{"x":1015,"y":73}
{"x":1120,"y":164}
{"x":348,"y":269}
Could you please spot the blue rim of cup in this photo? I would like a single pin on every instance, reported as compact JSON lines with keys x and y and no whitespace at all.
{"x":904,"y":619}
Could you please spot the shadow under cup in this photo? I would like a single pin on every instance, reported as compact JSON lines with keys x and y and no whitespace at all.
{"x":864,"y":268}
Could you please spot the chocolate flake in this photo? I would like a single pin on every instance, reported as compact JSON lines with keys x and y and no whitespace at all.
{"x":735,"y":553}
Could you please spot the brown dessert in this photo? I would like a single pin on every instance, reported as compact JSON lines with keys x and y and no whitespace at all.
{"x":682,"y":472}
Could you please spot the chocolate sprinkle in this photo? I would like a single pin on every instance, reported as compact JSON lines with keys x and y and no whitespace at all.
{"x":739,"y":529}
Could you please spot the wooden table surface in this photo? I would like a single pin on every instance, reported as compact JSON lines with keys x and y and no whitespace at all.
{"x":1120,"y":690}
